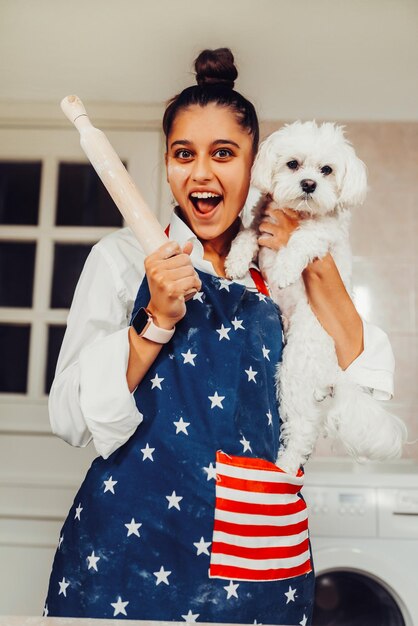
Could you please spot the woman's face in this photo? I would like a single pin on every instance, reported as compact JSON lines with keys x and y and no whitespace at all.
{"x":209,"y":158}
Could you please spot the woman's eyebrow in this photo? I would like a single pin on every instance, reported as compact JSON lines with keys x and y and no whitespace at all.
{"x":225,"y":141}
{"x":186,"y":142}
{"x":181,"y":142}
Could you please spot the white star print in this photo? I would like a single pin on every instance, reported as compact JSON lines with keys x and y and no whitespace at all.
{"x":237,"y":324}
{"x":231,"y":590}
{"x":290,"y":595}
{"x":119,"y":607}
{"x":270,"y":418}
{"x":162,"y":576}
{"x":92,"y":559}
{"x":60,"y":541}
{"x":198,"y":296}
{"x":173,"y":501}
{"x":202,"y":546}
{"x":109,"y":485}
{"x":223,"y":333}
{"x":190,"y":617}
{"x":147,"y":452}
{"x":181,"y":426}
{"x":261,"y":297}
{"x":223,"y":284}
{"x":45,"y":613}
{"x":210,"y":471}
{"x":245,"y":444}
{"x":304,"y":620}
{"x":63,"y":586}
{"x":78,"y":512}
{"x":216,"y":400}
{"x":156,"y":382}
{"x":133,"y":528}
{"x":188,"y":357}
{"x":251,"y":374}
{"x":265,"y":353}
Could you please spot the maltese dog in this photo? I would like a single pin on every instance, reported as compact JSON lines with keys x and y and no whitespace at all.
{"x":313,"y":170}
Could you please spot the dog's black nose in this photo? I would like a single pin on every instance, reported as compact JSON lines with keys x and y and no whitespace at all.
{"x":308,"y":185}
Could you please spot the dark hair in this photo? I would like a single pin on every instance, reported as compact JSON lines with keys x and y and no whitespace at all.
{"x":215,"y":76}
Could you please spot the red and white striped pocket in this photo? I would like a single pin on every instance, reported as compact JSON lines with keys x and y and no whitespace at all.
{"x":261,"y":522}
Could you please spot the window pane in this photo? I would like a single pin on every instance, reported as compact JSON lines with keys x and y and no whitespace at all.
{"x":55,"y":337}
{"x":14,"y":348}
{"x":83,"y":199}
{"x":17,"y":264}
{"x":20,"y":184}
{"x":68,"y":263}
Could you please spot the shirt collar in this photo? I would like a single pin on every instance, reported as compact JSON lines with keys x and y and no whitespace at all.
{"x":180,"y":232}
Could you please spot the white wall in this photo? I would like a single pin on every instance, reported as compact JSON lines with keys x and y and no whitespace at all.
{"x":323,"y":58}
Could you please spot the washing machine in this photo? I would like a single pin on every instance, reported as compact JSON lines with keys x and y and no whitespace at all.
{"x":364,"y":535}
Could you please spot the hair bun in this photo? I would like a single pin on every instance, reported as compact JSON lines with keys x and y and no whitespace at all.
{"x":216,"y":67}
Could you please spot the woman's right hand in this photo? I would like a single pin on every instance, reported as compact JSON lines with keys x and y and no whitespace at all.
{"x":171,"y":276}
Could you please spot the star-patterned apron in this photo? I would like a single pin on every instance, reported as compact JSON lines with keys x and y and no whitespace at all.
{"x":191,"y":519}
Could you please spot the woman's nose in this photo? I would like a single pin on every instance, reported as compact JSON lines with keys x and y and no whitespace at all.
{"x":202,"y":170}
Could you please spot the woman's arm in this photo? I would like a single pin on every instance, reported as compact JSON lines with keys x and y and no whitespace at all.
{"x":333,"y":307}
{"x":87,"y":392}
{"x":170,"y":275}
{"x":101,"y":359}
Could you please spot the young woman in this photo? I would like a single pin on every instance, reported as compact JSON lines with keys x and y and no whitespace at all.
{"x":185,"y":516}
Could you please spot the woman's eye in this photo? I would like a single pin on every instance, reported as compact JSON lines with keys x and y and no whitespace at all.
{"x":326,"y":170}
{"x":293,"y":165}
{"x":183,"y":154}
{"x":223,"y":153}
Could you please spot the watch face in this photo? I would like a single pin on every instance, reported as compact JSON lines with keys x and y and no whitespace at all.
{"x":140,"y":320}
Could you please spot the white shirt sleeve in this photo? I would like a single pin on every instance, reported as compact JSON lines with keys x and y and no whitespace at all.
{"x":90,"y":398}
{"x":374,"y":368}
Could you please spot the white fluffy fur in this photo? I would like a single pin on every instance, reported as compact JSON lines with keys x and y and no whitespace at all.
{"x":315,"y":395}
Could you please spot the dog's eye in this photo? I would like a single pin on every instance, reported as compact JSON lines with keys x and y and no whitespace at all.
{"x":326,"y":170}
{"x":293,"y":165}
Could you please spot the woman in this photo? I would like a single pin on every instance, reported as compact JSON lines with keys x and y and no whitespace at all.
{"x":186,"y":390}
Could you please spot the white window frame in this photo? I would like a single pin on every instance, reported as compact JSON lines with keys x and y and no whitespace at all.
{"x":52,"y":140}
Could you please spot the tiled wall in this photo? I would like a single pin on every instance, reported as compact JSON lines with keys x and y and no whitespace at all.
{"x":384,"y":237}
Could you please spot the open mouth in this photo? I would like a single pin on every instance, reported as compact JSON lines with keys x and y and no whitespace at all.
{"x":205,"y":202}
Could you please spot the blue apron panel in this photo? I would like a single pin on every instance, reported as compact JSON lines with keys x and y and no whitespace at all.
{"x":147,"y":512}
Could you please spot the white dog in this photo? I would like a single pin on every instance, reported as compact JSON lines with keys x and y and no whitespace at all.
{"x":313,"y":170}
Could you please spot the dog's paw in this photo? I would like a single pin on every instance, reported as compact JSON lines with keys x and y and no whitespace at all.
{"x":285,"y":272}
{"x":236,"y":265}
{"x":243,"y":250}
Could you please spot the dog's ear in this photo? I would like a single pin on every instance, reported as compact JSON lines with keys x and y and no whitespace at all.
{"x":262,"y":170}
{"x":353,"y":186}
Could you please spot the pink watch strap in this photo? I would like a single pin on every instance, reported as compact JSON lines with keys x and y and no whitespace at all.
{"x":152,"y":332}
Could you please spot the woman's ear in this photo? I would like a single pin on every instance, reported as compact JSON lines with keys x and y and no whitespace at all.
{"x":354,"y":182}
{"x":262,"y":170}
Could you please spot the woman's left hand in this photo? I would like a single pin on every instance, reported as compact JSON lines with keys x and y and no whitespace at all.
{"x":277,"y":226}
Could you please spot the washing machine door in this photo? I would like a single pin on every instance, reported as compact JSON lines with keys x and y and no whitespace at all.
{"x":348,"y":598}
{"x":354,"y":587}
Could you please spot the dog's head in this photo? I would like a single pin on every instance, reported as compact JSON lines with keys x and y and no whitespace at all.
{"x":310,"y":168}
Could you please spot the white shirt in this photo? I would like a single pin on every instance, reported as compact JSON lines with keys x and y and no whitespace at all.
{"x":90,"y":398}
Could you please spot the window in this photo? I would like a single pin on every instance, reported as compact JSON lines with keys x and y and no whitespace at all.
{"x":53,"y":208}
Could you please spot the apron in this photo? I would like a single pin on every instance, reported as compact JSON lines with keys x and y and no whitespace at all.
{"x":191,"y":519}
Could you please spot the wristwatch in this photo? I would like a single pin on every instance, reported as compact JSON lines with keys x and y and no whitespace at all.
{"x":143,"y":324}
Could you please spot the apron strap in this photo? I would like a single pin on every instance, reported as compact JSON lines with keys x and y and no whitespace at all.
{"x":259,"y":281}
{"x":255,"y":274}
